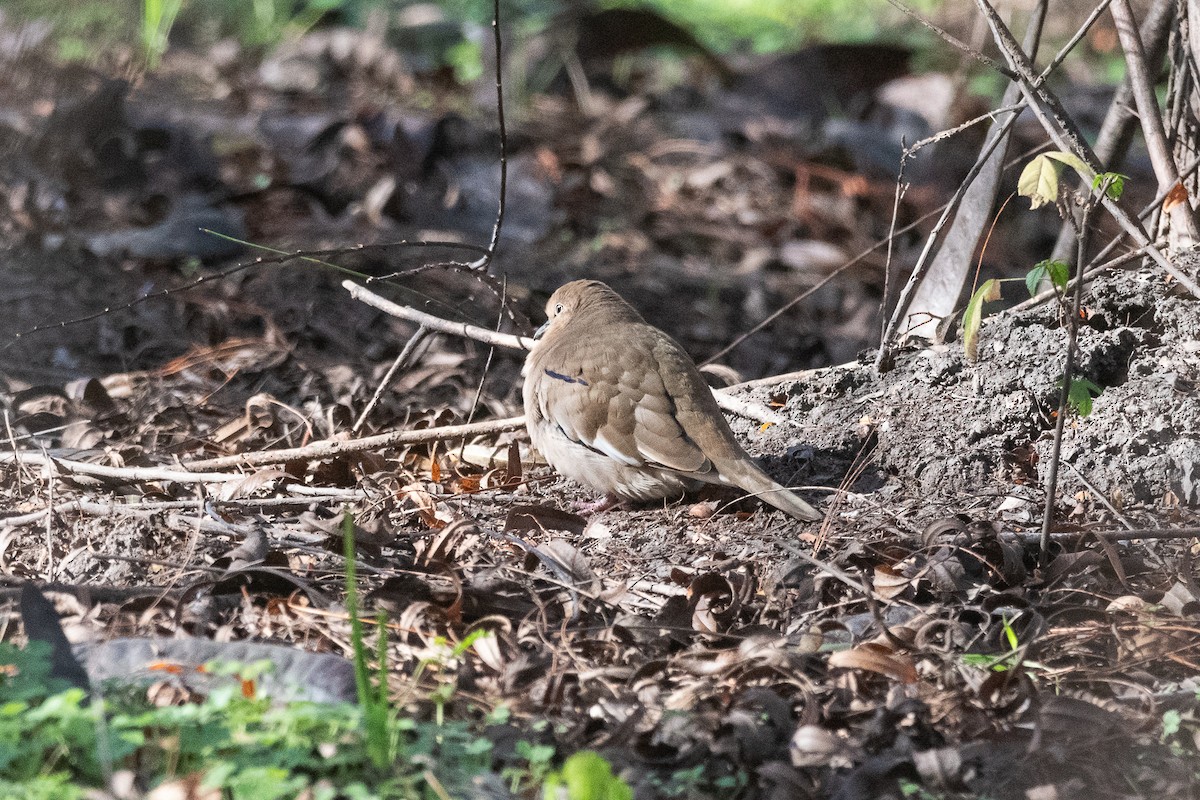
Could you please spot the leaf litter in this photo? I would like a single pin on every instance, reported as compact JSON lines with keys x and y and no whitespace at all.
{"x":695,"y":651}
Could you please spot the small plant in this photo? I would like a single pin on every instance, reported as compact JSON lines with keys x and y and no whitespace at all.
{"x":1040,"y":181}
{"x":586,"y":776}
{"x":1013,"y":659}
{"x":158,"y":17}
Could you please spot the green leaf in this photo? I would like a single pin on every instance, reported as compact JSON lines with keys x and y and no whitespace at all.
{"x":1058,"y":272}
{"x":586,"y":776}
{"x":1081,"y":394}
{"x":1172,"y":721}
{"x":1073,"y":161}
{"x":1010,"y":635}
{"x":1039,"y":180}
{"x":973,"y":318}
{"x":1113,"y":183}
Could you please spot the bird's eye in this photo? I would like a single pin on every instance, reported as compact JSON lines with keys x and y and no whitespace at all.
{"x":557,"y":309}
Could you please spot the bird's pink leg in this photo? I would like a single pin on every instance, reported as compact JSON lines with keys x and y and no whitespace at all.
{"x":605,"y":503}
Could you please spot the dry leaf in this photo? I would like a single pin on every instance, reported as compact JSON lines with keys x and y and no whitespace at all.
{"x":873,"y":659}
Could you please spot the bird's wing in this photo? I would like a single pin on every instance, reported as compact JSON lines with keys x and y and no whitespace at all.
{"x":612,"y":399}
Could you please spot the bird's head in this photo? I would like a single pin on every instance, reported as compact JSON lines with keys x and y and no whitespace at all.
{"x":581,"y":303}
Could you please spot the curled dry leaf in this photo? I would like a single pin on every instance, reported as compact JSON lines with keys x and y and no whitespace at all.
{"x":250,"y":483}
{"x":571,"y":562}
{"x":813,"y":746}
{"x":1127,"y":603}
{"x":941,"y":768}
{"x":889,"y":584}
{"x":715,"y":602}
{"x":429,"y":511}
{"x":873,"y":658}
{"x":1176,"y":197}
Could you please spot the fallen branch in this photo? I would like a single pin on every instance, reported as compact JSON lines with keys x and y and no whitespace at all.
{"x":462,"y":329}
{"x":1115,"y":536}
{"x":150,"y":508}
{"x":336,"y":447}
{"x":130,"y":474}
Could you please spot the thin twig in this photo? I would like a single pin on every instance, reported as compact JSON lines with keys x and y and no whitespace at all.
{"x":405,"y":356}
{"x":491,"y":248}
{"x":337,"y":447}
{"x":1068,"y":374}
{"x":462,"y":329}
{"x":1100,"y":496}
{"x":954,"y":42}
{"x":280,"y":258}
{"x":1115,"y":536}
{"x":1183,"y":222}
{"x":151,"y":508}
{"x":132,"y":474}
{"x":998,"y":137}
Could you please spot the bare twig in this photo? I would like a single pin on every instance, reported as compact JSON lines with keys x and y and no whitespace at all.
{"x":134,"y":474}
{"x":950,"y":39}
{"x":1116,"y":132}
{"x":150,"y":508}
{"x":280,"y":258}
{"x":1116,"y":536}
{"x":402,"y":360}
{"x":491,"y":249}
{"x":336,"y":447}
{"x":1068,"y":373}
{"x":1183,"y":222}
{"x":463,"y":329}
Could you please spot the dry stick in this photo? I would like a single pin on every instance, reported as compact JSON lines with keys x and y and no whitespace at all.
{"x":406,"y":354}
{"x":148,"y":509}
{"x":333,"y":447}
{"x":1183,"y":223}
{"x":49,"y":531}
{"x":461,"y":329}
{"x":122,"y":473}
{"x":1116,"y":132}
{"x":1066,"y":136}
{"x":1116,"y":536}
{"x":953,"y":42}
{"x":1068,"y":367}
{"x":491,"y":249}
{"x":510,"y":341}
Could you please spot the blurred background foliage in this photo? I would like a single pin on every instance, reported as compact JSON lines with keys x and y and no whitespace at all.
{"x":86,"y":27}
{"x":455,"y":34}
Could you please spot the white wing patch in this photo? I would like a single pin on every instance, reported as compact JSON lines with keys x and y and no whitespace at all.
{"x":612,"y":451}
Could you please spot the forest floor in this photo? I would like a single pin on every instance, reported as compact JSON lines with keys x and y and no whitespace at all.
{"x":693,"y":644}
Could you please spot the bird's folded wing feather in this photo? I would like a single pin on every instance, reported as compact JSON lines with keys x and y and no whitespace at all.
{"x":617,"y":406}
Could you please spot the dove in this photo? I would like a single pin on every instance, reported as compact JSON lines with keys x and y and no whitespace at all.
{"x":615,"y":404}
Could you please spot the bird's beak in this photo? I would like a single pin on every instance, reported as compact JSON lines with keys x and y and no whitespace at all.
{"x":540,"y":332}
